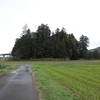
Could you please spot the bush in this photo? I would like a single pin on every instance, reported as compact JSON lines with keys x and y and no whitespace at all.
{"x":51,"y":59}
{"x":14,"y":59}
{"x":2,"y":66}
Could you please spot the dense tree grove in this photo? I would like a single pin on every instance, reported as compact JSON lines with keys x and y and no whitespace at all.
{"x":46,"y":44}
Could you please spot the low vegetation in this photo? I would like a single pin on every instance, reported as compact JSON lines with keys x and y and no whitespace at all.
{"x":51,"y":90}
{"x":2,"y":66}
{"x":81,"y":79}
{"x":51,"y":59}
{"x":5,"y":69}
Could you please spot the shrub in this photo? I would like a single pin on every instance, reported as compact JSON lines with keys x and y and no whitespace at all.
{"x":2,"y":66}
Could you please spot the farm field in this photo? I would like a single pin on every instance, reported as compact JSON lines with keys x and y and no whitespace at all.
{"x":72,"y":80}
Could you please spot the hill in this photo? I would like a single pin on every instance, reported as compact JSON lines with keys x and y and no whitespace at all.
{"x":98,"y":49}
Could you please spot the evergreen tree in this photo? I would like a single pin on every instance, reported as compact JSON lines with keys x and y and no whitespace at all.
{"x":42,"y":41}
{"x":90,"y":55}
{"x":22,"y":48}
{"x":96,"y":54}
{"x":16,"y":51}
{"x":82,"y":46}
{"x":59,"y":43}
{"x":72,"y":49}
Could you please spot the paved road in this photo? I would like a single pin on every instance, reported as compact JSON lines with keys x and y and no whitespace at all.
{"x":18,"y":85}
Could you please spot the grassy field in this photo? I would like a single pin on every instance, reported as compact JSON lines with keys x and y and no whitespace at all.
{"x":64,"y":80}
{"x":80,"y":78}
{"x":7,"y":69}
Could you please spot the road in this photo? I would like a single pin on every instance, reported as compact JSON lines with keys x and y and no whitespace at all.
{"x":18,"y":85}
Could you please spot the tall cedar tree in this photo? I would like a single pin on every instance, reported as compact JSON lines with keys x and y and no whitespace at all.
{"x":82,"y":46}
{"x":42,"y":41}
{"x":22,"y":48}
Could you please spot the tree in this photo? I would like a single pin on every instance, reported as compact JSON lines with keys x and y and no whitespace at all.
{"x":61,"y":43}
{"x":90,"y":55}
{"x":82,"y":46}
{"x":22,"y":48}
{"x":42,"y":41}
{"x":96,"y":54}
{"x":16,"y":51}
{"x":58,"y":40}
{"x":26,"y":46}
{"x":72,"y":49}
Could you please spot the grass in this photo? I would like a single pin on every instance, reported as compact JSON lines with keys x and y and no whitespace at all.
{"x":3,"y":59}
{"x":47,"y":62}
{"x":7,"y":69}
{"x":81,"y":78}
{"x":51,"y":89}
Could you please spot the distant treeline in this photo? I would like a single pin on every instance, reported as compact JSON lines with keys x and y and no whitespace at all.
{"x":95,"y":54}
{"x":46,"y":44}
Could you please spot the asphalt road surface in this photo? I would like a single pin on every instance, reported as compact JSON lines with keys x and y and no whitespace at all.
{"x":18,"y":85}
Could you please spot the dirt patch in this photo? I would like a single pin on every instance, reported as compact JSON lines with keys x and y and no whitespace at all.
{"x":8,"y":65}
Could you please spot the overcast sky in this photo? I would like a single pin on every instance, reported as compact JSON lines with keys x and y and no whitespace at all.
{"x":76,"y":16}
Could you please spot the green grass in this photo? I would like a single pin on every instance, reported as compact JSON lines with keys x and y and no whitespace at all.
{"x":3,"y":59}
{"x":7,"y":69}
{"x":51,"y":89}
{"x":82,"y":78}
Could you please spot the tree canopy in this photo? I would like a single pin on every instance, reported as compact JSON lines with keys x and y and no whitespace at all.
{"x":46,"y":44}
